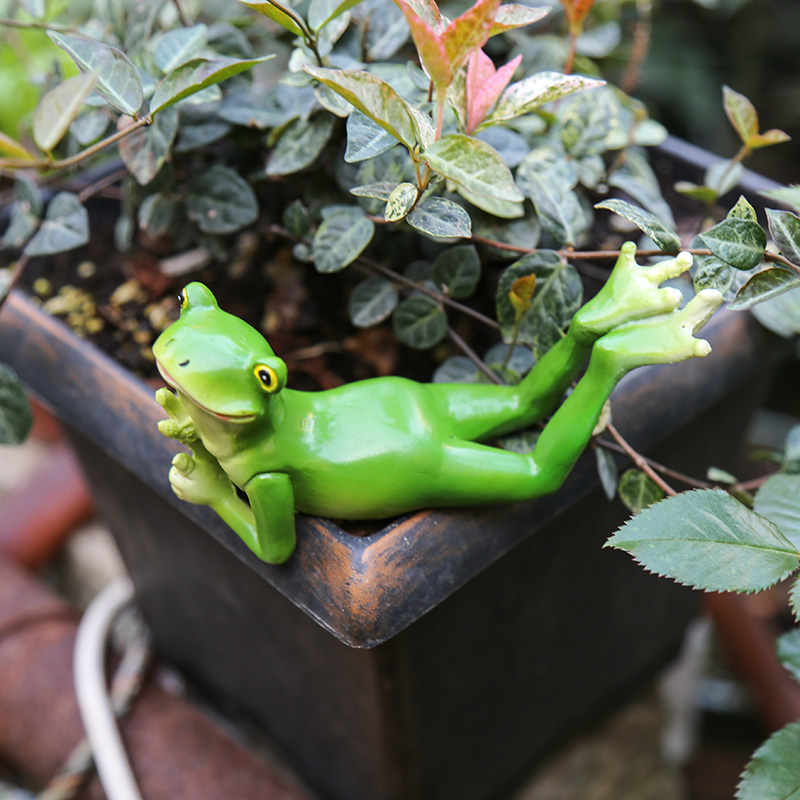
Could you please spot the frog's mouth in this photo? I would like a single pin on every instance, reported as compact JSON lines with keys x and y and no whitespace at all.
{"x":239,"y":418}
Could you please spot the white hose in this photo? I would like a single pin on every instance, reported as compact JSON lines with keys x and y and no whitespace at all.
{"x":94,"y":703}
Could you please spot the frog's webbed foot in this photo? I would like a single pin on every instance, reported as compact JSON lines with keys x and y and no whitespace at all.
{"x":200,"y":479}
{"x":632,"y":292}
{"x":663,"y":339}
{"x":179,"y":426}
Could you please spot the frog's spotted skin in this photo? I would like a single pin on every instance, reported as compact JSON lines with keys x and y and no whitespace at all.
{"x":384,"y":446}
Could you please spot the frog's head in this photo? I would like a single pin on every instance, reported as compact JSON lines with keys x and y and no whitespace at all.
{"x":220,"y":363}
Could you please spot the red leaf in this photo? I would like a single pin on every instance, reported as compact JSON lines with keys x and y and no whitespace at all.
{"x":430,"y":46}
{"x":485,"y":85}
{"x":469,"y":31}
{"x":576,"y":10}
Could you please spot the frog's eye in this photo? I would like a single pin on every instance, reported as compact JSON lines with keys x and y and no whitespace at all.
{"x":182,"y":299}
{"x":267,"y":377}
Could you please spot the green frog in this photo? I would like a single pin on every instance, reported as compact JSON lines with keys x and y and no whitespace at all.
{"x":385,"y":446}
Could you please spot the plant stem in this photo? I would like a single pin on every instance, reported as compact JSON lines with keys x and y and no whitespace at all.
{"x":47,"y":163}
{"x":19,"y":268}
{"x":642,"y":31}
{"x":40,"y":26}
{"x":671,"y":473}
{"x":186,"y":20}
{"x":440,"y":102}
{"x":640,"y":461}
{"x":95,"y":188}
{"x":473,"y":356}
{"x":574,"y":33}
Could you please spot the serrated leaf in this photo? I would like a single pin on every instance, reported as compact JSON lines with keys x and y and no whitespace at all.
{"x":220,"y":201}
{"x":65,"y":227}
{"x":419,"y":322}
{"x":763,"y":286}
{"x":380,"y":102}
{"x":321,"y":12}
{"x":774,"y":771}
{"x":441,"y":218}
{"x":58,"y":108}
{"x":145,"y":150}
{"x":457,"y":369}
{"x":742,"y":210}
{"x":534,"y":91}
{"x":741,"y":113}
{"x":475,"y":167}
{"x":638,"y":490}
{"x":789,"y":652}
{"x":516,"y":15}
{"x":300,"y":144}
{"x":457,"y":271}
{"x":664,"y":237}
{"x":785,"y":230}
{"x":372,"y":301}
{"x":197,"y":74}
{"x":365,"y":138}
{"x":341,"y":238}
{"x":738,"y":242}
{"x":118,"y":81}
{"x":794,"y":599}
{"x":558,"y":296}
{"x":608,"y":472}
{"x":708,"y":540}
{"x":400,"y":202}
{"x":711,"y":273}
{"x":16,"y":417}
{"x":559,"y":210}
{"x":779,"y":501}
{"x":275,"y":14}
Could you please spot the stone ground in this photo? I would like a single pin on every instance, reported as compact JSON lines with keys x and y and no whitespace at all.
{"x":648,"y":750}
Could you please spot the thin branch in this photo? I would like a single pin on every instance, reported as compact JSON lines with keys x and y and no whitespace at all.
{"x":19,"y":268}
{"x":103,"y":183}
{"x":39,"y":26}
{"x":46,"y":163}
{"x":186,"y":20}
{"x":473,"y":356}
{"x":642,"y":31}
{"x":671,"y":473}
{"x":640,"y":461}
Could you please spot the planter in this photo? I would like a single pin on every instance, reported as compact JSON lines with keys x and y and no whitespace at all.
{"x":422,"y":660}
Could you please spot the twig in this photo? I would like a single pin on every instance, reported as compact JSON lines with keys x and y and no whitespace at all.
{"x":19,"y":268}
{"x":642,"y":32}
{"x":39,"y":26}
{"x":473,"y":356}
{"x":640,"y":461}
{"x":679,"y":476}
{"x":186,"y":20}
{"x":103,"y":183}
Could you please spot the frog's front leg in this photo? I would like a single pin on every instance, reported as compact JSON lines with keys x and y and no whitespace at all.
{"x":179,"y":426}
{"x":631,"y":292}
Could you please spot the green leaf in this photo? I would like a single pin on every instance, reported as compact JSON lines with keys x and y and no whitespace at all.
{"x":763,"y":286}
{"x":457,"y":369}
{"x":788,"y":195}
{"x":25,"y":212}
{"x":157,"y":214}
{"x":431,"y":49}
{"x":220,"y":201}
{"x":419,"y":322}
{"x":636,"y":178}
{"x":708,"y":540}
{"x":780,"y":314}
{"x":534,"y":91}
{"x":549,"y":165}
{"x":560,"y":210}
{"x":791,"y":452}
{"x":522,"y":442}
{"x":300,"y":144}
{"x":145,"y":150}
{"x":474,"y":166}
{"x":738,"y":242}
{"x":441,"y":218}
{"x":743,"y":210}
{"x":296,"y":219}
{"x":558,"y":296}
{"x":118,"y":81}
{"x":768,"y":138}
{"x":608,"y":472}
{"x":380,"y":102}
{"x":90,"y":126}
{"x":794,"y":599}
{"x":365,"y":138}
{"x":65,"y":227}
{"x":779,"y":501}
{"x":16,"y":417}
{"x":400,"y":202}
{"x":516,"y":15}
{"x":197,"y":74}
{"x":341,"y":238}
{"x":376,"y":191}
{"x":703,"y":194}
{"x":372,"y":301}
{"x":741,"y":113}
{"x":510,"y":367}
{"x":321,"y":12}
{"x":664,"y":237}
{"x":774,"y":771}
{"x":387,"y":32}
{"x":457,"y":271}
{"x":638,"y":490}
{"x":711,"y":273}
{"x":785,"y":230}
{"x":58,"y":108}
{"x":588,"y":123}
{"x":723,"y":176}
{"x":789,"y":652}
{"x":275,"y":14}
{"x":177,"y":46}
{"x":524,"y":232}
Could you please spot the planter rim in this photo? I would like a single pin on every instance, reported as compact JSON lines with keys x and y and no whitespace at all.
{"x":366,"y":589}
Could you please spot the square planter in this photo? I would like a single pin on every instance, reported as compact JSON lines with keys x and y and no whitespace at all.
{"x":437,"y":657}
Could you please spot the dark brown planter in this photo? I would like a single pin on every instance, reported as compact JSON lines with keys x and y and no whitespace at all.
{"x":436,"y":658}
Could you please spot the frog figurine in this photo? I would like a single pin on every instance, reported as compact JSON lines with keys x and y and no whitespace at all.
{"x":384,"y":446}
